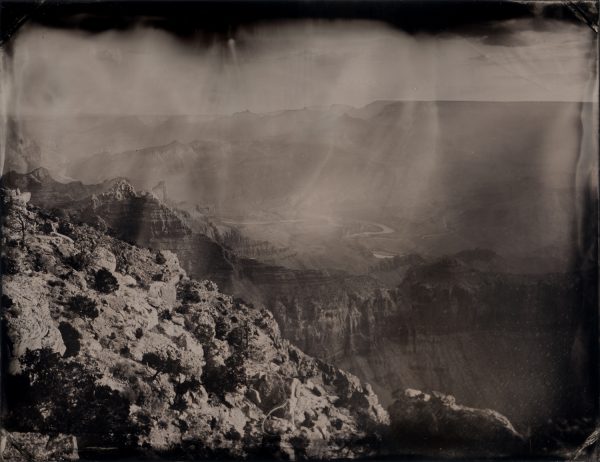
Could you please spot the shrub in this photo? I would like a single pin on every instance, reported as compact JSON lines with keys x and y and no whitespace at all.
{"x":222,"y":379}
{"x":165,"y":315}
{"x":139,"y":333}
{"x":42,"y":263}
{"x":221,"y":329}
{"x":105,"y":282}
{"x":98,"y":223}
{"x":233,"y":435}
{"x":66,"y":228}
{"x":238,"y":337}
{"x":79,"y":261}
{"x":192,"y":296}
{"x":188,"y":294}
{"x":71,"y":399}
{"x":213,"y":379}
{"x":9,"y":265}
{"x":203,"y":330}
{"x":46,"y":227}
{"x":236,"y":372}
{"x":160,"y":258}
{"x":182,"y":309}
{"x":170,"y":366}
{"x":84,"y":306}
{"x":181,"y":389}
{"x":182,"y":425}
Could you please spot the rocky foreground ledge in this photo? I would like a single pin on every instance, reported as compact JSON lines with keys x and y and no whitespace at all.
{"x":111,"y":347}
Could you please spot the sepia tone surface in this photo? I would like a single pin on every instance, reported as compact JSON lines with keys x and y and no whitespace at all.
{"x":300,"y":232}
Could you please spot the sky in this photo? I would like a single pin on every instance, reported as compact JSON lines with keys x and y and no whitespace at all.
{"x":286,"y":65}
{"x":59,"y":75}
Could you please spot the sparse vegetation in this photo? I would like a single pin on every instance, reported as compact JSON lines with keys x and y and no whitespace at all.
{"x":235,"y":371}
{"x":98,"y":223}
{"x":165,"y":315}
{"x":65,"y":227}
{"x":41,"y":262}
{"x":84,"y":306}
{"x":80,"y":260}
{"x":168,"y":365}
{"x":47,"y":227}
{"x":188,"y":293}
{"x":160,"y":258}
{"x":123,"y":381}
{"x":221,"y":329}
{"x":181,"y":389}
{"x":74,"y":402}
{"x":9,"y":265}
{"x":105,"y":282}
{"x":20,"y":223}
{"x":238,"y":337}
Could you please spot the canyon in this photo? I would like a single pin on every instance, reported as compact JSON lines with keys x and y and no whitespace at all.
{"x":111,"y":350}
{"x":459,"y":324}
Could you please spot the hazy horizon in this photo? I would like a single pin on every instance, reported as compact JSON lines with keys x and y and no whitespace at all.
{"x":505,"y":106}
{"x":293,"y":64}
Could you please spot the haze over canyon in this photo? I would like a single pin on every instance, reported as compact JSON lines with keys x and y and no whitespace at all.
{"x":386,"y":235}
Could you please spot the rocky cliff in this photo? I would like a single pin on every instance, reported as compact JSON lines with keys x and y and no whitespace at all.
{"x":111,"y":349}
{"x":117,"y":346}
{"x":47,"y":192}
{"x":485,"y":336}
{"x":421,"y":420}
{"x":141,"y":218}
{"x":450,"y":325}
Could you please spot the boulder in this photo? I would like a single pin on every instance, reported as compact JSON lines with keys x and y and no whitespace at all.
{"x":29,"y":322}
{"x":31,"y":446}
{"x":103,"y":258}
{"x":167,"y":364}
{"x":425,"y":422}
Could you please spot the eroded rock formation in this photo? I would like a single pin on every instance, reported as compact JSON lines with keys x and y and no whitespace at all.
{"x":117,"y":346}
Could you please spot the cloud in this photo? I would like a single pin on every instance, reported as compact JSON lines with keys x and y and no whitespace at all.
{"x":291,"y":64}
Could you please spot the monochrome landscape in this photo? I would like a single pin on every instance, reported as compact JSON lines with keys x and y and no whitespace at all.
{"x":305,"y":239}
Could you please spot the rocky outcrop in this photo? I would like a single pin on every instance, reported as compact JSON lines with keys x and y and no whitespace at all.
{"x":139,"y":217}
{"x":423,"y":421}
{"x":454,"y":289}
{"x":30,"y":446}
{"x":447,"y":326}
{"x":456,"y":323}
{"x":330,"y":312}
{"x":134,"y":216}
{"x":116,"y":346}
{"x":48,"y":193}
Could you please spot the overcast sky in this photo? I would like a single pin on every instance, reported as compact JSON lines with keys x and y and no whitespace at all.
{"x":296,"y":64}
